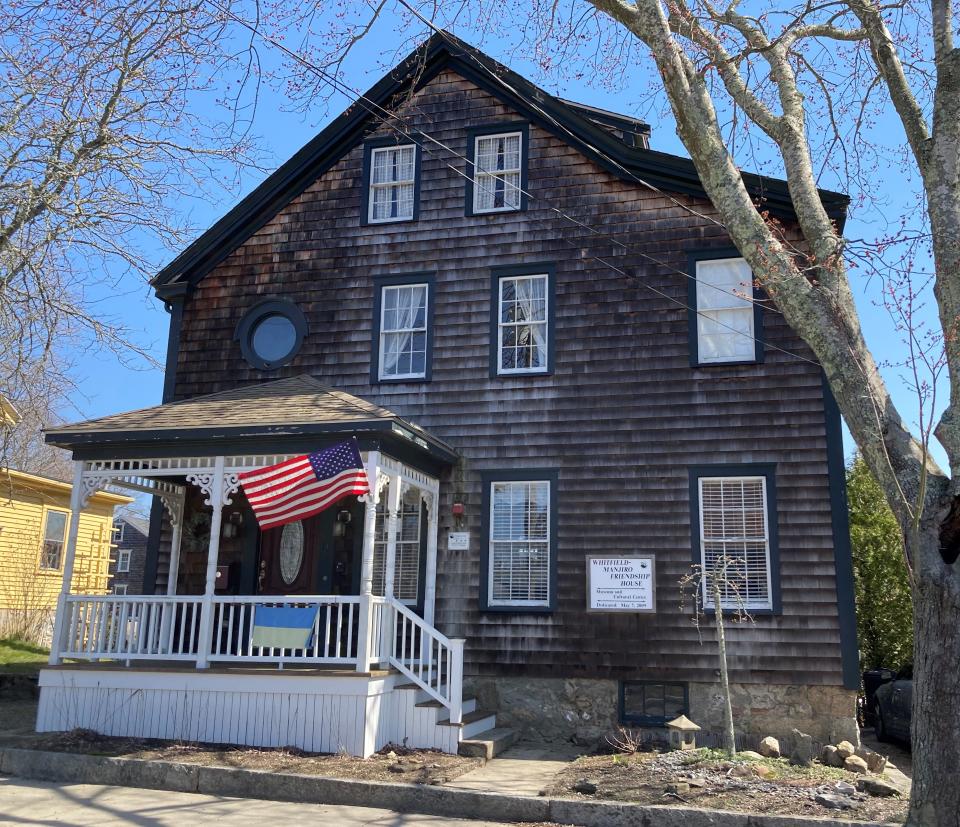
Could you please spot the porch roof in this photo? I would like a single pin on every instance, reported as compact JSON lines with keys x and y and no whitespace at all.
{"x":300,"y":406}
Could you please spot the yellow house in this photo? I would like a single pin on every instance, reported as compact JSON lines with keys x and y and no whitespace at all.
{"x":34,"y":521}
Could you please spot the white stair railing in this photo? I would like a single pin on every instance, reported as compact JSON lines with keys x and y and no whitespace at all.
{"x":428,"y":658}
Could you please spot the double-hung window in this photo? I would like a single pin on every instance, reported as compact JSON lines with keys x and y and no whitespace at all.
{"x":392,"y":186}
{"x":498,"y":172}
{"x":522,"y":324}
{"x":406,"y":577}
{"x":735,"y":541}
{"x":123,"y":560}
{"x":403,"y":331}
{"x":520,"y":543}
{"x":54,"y":534}
{"x":725,"y":311}
{"x":120,"y":588}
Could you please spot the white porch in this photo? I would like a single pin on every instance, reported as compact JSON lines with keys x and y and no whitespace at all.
{"x":180,"y":666}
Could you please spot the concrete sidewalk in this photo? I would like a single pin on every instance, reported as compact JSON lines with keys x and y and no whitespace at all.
{"x":92,"y":805}
{"x":524,"y":769}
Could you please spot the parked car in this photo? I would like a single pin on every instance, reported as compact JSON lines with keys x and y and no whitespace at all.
{"x":891,"y":707}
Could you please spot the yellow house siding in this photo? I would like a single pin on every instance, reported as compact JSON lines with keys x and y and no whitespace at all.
{"x":24,"y":503}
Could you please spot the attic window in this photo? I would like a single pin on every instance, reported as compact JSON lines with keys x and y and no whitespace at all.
{"x":271,"y":334}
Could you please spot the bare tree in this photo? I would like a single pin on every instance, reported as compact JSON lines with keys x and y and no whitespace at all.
{"x":111,"y":117}
{"x":719,"y":587}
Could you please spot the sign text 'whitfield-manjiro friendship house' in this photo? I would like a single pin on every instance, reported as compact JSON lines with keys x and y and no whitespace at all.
{"x":621,"y":583}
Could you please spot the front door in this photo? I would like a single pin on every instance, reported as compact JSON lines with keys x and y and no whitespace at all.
{"x":318,"y":555}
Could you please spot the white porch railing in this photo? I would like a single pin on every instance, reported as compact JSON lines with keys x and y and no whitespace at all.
{"x":167,"y":627}
{"x":430,"y":659}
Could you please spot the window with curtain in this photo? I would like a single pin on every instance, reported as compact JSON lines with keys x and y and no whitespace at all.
{"x":734,"y":524}
{"x":406,"y":578}
{"x":519,"y":560}
{"x":522,"y":325}
{"x":497,"y":168}
{"x":725,"y":329}
{"x":392,"y":180}
{"x":403,"y":331}
{"x":54,"y":534}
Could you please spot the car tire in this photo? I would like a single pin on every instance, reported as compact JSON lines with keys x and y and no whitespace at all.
{"x":879,"y":728}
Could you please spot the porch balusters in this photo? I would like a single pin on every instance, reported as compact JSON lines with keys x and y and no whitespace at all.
{"x":60,"y":624}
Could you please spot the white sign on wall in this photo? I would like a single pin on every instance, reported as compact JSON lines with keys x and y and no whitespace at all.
{"x":621,"y":583}
{"x":458,"y":541}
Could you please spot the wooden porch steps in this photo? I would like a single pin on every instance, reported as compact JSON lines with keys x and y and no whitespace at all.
{"x":488,"y":744}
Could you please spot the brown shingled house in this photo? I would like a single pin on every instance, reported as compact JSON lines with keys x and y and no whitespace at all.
{"x":566,"y":391}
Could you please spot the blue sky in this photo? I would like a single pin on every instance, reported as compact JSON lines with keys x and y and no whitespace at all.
{"x":108,"y":386}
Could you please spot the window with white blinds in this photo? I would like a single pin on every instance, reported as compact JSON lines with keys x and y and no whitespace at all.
{"x":734,"y":525}
{"x":497,"y":172}
{"x":392,"y":183}
{"x":725,"y":329}
{"x":519,"y":561}
{"x":406,"y":578}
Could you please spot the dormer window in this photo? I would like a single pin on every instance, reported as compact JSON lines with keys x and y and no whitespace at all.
{"x":498,"y":161}
{"x":392,"y":183}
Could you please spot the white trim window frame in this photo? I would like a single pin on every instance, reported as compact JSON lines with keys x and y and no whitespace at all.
{"x":725,"y":311}
{"x":525,"y":552}
{"x":523,"y":324}
{"x":406,"y":324}
{"x":497,"y":173}
{"x":51,"y":548}
{"x":120,"y":588}
{"x":123,"y":560}
{"x":392,"y":184}
{"x":737,"y":526}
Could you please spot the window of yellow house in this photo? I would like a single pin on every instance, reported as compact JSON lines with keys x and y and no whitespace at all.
{"x":54,"y":534}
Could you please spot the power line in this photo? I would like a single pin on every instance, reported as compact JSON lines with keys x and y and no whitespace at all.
{"x":358,"y":97}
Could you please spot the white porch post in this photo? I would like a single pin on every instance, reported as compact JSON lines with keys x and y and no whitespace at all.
{"x":365,"y":627}
{"x":60,"y":623}
{"x":176,"y":525}
{"x":430,"y":587}
{"x":213,"y":554}
{"x":394,"y":494}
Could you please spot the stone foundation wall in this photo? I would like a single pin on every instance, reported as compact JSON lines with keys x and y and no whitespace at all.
{"x":584,"y":711}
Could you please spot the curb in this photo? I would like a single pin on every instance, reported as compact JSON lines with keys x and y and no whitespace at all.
{"x":405,"y":798}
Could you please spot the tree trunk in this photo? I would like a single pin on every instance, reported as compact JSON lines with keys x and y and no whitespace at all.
{"x":935,"y":801}
{"x":730,"y":743}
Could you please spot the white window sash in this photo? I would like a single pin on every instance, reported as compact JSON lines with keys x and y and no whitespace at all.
{"x":732,"y":307}
{"x":747,"y":603}
{"x":385,"y":331}
{"x":491,"y":559}
{"x":123,"y":560}
{"x":544,"y":325}
{"x":390,"y":185}
{"x":485,"y":180}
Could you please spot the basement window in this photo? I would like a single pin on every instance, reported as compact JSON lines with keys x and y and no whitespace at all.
{"x":650,"y":703}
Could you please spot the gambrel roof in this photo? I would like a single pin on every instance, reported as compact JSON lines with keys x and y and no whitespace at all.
{"x":585,"y":128}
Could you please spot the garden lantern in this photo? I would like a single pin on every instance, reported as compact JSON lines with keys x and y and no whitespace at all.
{"x":683,"y":733}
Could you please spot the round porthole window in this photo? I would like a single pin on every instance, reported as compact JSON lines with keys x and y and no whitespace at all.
{"x":271,"y":333}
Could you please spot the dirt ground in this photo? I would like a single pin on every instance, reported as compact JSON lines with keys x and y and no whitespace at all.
{"x":707,"y":779}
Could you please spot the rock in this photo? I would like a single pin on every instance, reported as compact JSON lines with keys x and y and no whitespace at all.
{"x":830,"y":757}
{"x":770,"y":747}
{"x":585,"y":786}
{"x":834,"y":802}
{"x":844,"y":788}
{"x":749,"y":755}
{"x":877,"y":787}
{"x":846,"y":749}
{"x":696,"y":781}
{"x":762,"y":770}
{"x":876,"y":762}
{"x":391,"y":754}
{"x":741,"y":771}
{"x":398,"y":767}
{"x":854,"y":763}
{"x":677,"y":788}
{"x":801,"y":752}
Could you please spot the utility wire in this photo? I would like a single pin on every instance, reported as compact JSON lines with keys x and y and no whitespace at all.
{"x":384,"y":114}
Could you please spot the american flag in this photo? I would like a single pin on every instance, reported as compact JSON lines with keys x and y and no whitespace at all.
{"x":304,"y":486}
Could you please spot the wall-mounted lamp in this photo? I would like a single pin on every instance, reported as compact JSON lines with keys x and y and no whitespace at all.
{"x":343,"y":520}
{"x":231,"y":528}
{"x":458,"y":511}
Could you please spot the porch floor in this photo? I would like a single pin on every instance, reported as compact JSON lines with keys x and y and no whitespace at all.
{"x":299,"y":670}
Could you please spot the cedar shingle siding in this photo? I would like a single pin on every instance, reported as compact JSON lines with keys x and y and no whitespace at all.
{"x":622,"y":416}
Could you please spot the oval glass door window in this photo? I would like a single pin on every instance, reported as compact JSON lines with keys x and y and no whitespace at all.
{"x":291,"y":552}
